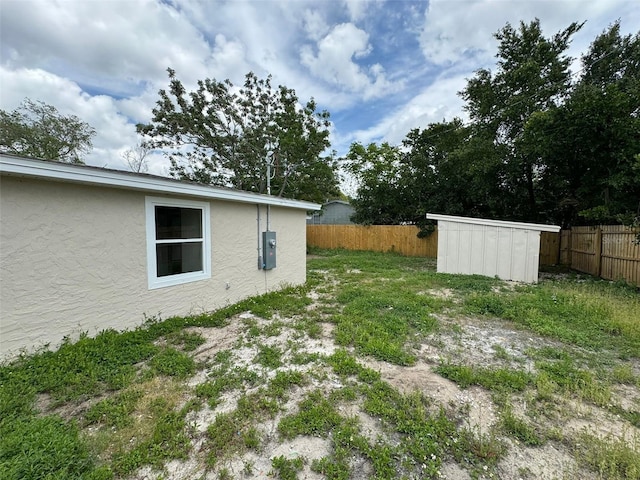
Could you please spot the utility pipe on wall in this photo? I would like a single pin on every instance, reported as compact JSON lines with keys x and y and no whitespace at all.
{"x":259,"y":247}
{"x":269,"y":159}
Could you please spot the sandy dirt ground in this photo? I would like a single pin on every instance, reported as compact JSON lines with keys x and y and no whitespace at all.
{"x":472,"y":341}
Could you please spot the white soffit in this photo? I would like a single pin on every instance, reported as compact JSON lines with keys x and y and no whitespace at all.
{"x":87,"y":175}
{"x":494,"y":223}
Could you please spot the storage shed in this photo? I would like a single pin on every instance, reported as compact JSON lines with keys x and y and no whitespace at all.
{"x":84,"y":249}
{"x":508,"y":250}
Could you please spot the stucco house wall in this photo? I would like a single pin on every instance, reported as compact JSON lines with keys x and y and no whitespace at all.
{"x":73,"y":258}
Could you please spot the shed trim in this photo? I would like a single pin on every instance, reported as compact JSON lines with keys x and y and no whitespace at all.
{"x":494,"y":223}
{"x":88,"y":175}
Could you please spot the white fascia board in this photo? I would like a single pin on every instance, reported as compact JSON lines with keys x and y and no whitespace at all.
{"x":64,"y":172}
{"x":494,"y":223}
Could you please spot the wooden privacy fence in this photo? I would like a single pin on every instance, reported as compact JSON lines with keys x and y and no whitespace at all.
{"x":605,"y":251}
{"x":376,"y":238}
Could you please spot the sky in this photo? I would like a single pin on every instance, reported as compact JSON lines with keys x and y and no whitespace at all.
{"x":381,"y":67}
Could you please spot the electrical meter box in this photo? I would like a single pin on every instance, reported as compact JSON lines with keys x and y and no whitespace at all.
{"x":269,"y":250}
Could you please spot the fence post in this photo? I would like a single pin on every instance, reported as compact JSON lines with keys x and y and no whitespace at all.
{"x":598,"y":250}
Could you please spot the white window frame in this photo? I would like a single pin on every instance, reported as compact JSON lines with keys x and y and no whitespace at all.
{"x":152,"y":267}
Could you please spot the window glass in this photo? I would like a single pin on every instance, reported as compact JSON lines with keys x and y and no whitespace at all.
{"x":177,"y":223}
{"x":176,"y":258}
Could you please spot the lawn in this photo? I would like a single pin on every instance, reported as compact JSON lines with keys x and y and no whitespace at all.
{"x":378,"y":367}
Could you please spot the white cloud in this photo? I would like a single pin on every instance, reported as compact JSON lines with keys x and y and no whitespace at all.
{"x":356,"y":8}
{"x":348,"y":55}
{"x":334,"y":63}
{"x":435,"y":103}
{"x":455,"y":30}
{"x":106,"y":45}
{"x":315,"y":25}
{"x":228,"y":58}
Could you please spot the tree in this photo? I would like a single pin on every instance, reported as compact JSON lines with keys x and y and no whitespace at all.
{"x":379,"y":199}
{"x":136,"y":158}
{"x":589,"y":144}
{"x":215,"y":136}
{"x":540,"y":146}
{"x":532,"y":75}
{"x":38,"y":130}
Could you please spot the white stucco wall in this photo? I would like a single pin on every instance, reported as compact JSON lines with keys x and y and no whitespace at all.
{"x":73,"y":259}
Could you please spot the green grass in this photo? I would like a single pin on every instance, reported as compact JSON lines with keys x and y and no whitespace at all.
{"x":595,"y":314}
{"x":574,"y":380}
{"x":235,"y":432}
{"x":45,"y":447}
{"x":345,"y":364}
{"x":317,"y":416}
{"x":189,"y":341}
{"x":114,"y":411}
{"x":173,"y":363}
{"x":268,"y":357}
{"x":519,"y":429}
{"x":613,"y":459}
{"x":167,"y":440}
{"x":494,"y":379}
{"x":379,"y":321}
{"x":382,"y":306}
{"x":286,"y":469}
{"x":224,"y":378}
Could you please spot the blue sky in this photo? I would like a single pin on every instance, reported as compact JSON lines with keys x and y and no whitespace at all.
{"x":381,"y":68}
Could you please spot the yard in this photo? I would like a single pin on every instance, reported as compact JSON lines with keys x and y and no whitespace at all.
{"x":378,"y":368}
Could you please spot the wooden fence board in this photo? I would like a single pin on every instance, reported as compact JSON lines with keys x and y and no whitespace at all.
{"x":549,"y":248}
{"x":620,"y":258}
{"x":565,"y":247}
{"x":377,"y":238}
{"x":583,"y":250}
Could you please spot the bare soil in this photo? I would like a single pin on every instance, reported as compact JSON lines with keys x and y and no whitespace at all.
{"x":467,"y":340}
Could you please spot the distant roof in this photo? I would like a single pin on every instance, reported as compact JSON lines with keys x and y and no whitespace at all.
{"x":12,"y":165}
{"x":336,"y":201}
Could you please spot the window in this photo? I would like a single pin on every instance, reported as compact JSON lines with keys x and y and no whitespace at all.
{"x":178,"y":241}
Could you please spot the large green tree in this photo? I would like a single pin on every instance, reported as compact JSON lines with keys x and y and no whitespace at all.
{"x":221,"y":135}
{"x":443,"y":168}
{"x":381,"y":196}
{"x":532,"y":75}
{"x":38,"y":130}
{"x":590,"y":143}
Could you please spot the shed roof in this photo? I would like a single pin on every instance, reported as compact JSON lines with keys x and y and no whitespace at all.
{"x":494,"y":223}
{"x":13,"y":165}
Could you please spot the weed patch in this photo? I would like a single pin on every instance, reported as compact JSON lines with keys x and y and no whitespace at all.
{"x":613,"y":459}
{"x":268,"y":357}
{"x":520,"y":429}
{"x":173,"y":363}
{"x":594,"y":315}
{"x":45,"y":447}
{"x":494,"y":379}
{"x":317,"y":416}
{"x":114,"y":411}
{"x":286,"y":469}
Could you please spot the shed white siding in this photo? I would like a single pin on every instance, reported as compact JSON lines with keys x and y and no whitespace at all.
{"x":508,"y":250}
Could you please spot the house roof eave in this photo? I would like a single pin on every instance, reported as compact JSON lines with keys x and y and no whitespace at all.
{"x":13,"y":165}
